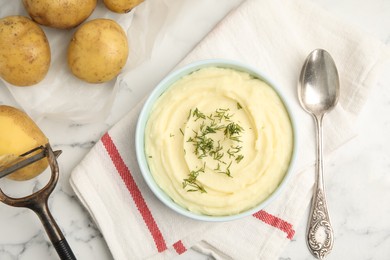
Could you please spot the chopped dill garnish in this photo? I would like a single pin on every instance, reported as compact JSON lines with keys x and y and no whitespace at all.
{"x":233,"y":150}
{"x":191,"y":181}
{"x":203,"y":146}
{"x":217,"y":139}
{"x":216,"y":152}
{"x":227,"y":170}
{"x":239,"y":158}
{"x":233,"y":130}
{"x":197,"y":114}
{"x":222,"y":114}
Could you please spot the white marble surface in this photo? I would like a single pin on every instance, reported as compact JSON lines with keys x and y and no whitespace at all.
{"x":358,"y":179}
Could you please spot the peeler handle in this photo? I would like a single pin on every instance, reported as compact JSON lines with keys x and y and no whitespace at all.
{"x":37,"y":201}
{"x":63,"y":250}
{"x":53,"y":231}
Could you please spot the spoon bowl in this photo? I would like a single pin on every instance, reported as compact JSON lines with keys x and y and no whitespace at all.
{"x":318,"y":92}
{"x":318,"y":89}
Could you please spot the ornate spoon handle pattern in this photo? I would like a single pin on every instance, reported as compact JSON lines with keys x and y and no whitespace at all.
{"x":320,"y":232}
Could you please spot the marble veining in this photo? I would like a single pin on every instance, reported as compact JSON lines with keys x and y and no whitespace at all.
{"x":358,"y":183}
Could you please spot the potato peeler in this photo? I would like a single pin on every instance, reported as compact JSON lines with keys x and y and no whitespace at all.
{"x":37,"y":201}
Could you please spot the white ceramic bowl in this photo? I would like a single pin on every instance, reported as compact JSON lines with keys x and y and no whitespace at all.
{"x":143,"y":118}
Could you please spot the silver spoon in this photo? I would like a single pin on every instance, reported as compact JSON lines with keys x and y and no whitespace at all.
{"x":318,"y":92}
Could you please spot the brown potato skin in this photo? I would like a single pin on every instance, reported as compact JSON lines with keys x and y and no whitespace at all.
{"x":98,"y":51}
{"x":121,"y":6}
{"x":22,"y":121}
{"x":61,"y":14}
{"x":24,"y":51}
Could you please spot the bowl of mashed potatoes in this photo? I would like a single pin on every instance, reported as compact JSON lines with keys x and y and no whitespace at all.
{"x":216,"y":140}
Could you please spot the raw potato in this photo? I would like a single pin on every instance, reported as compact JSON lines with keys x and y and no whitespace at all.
{"x":98,"y":51}
{"x":18,"y":135}
{"x":121,"y":6}
{"x":61,"y":14}
{"x":24,"y":51}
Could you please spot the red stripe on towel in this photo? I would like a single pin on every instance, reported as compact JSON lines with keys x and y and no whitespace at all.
{"x":276,"y":222}
{"x":179,"y":247}
{"x":136,"y":194}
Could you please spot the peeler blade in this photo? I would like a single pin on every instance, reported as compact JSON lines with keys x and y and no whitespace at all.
{"x":23,"y":160}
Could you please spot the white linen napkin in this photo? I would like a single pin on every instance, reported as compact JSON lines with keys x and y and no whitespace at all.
{"x":275,"y":36}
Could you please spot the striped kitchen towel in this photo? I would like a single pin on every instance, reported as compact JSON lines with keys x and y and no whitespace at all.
{"x":275,"y":36}
{"x":137,"y":226}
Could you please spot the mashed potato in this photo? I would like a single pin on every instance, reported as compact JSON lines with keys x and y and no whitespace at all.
{"x":219,"y":141}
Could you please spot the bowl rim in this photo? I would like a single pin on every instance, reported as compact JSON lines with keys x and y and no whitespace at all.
{"x":160,"y":88}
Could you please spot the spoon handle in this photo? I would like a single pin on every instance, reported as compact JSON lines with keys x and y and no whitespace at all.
{"x":319,"y":229}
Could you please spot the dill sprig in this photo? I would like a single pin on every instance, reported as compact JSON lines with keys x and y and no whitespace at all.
{"x":233,"y":131}
{"x":197,"y":114}
{"x":239,"y":158}
{"x":192,"y":183}
{"x":222,"y":114}
{"x":227,"y":170}
{"x":233,"y":150}
{"x":217,"y":153}
{"x":207,"y":143}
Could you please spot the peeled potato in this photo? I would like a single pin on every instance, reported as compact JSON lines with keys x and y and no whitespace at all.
{"x":61,"y":14}
{"x":18,"y":135}
{"x":121,"y":6}
{"x":24,"y":51}
{"x":98,"y":51}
